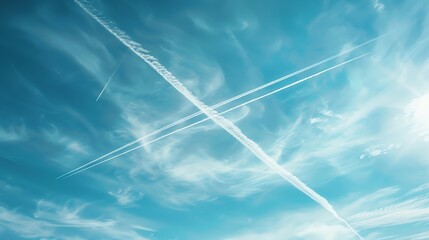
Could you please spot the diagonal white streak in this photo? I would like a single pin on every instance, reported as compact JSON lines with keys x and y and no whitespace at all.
{"x":86,"y":167}
{"x":110,"y":78}
{"x":182,"y":120}
{"x":212,"y":114}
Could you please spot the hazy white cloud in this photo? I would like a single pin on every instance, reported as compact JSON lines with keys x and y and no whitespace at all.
{"x":79,"y":51}
{"x":343,"y":117}
{"x":381,"y":196}
{"x":377,"y":211}
{"x":179,"y":179}
{"x":6,"y":187}
{"x":378,"y":5}
{"x":386,"y":207}
{"x":391,"y":207}
{"x":12,"y":133}
{"x":126,"y":196}
{"x":24,"y":226}
{"x":49,"y":219}
{"x":406,"y":211}
{"x":201,"y":74}
{"x":417,"y":114}
{"x":302,"y":224}
{"x":419,"y":236}
{"x":73,"y":147}
{"x":375,"y":151}
{"x":315,"y":120}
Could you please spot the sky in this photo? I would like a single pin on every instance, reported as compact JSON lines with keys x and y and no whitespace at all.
{"x":345,"y":129}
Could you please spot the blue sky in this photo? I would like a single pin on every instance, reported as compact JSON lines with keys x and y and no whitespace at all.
{"x":357,"y":135}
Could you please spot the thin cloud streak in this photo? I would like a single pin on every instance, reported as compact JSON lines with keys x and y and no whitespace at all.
{"x":83,"y":168}
{"x":213,"y":115}
{"x":111,"y":76}
{"x":173,"y":124}
{"x":86,"y":167}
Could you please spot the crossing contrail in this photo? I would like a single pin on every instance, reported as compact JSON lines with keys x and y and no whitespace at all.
{"x":173,"y":124}
{"x":222,"y":122}
{"x":111,"y":76}
{"x":86,"y":167}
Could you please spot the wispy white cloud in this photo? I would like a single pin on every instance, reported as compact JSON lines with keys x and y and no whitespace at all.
{"x":6,"y":187}
{"x":419,"y":236}
{"x":372,"y":213}
{"x":375,"y":151}
{"x":81,"y":52}
{"x":227,"y":125}
{"x":50,"y":218}
{"x":52,"y":134}
{"x":293,"y":225}
{"x":201,"y":74}
{"x":375,"y":112}
{"x":343,"y":53}
{"x":401,"y":210}
{"x":100,"y":160}
{"x":178,"y":180}
{"x":13,"y":133}
{"x":381,"y":196}
{"x":378,"y":5}
{"x":24,"y":226}
{"x":417,"y":114}
{"x":29,"y":85}
{"x":126,"y":196}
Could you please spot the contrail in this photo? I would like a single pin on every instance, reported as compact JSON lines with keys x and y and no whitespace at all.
{"x":111,"y":76}
{"x":227,"y":101}
{"x":212,"y":114}
{"x":86,"y":167}
{"x":68,"y":174}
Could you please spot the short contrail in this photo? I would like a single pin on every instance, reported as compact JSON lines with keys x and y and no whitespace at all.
{"x":86,"y":167}
{"x":111,"y":76}
{"x":171,"y":125}
{"x":212,"y":114}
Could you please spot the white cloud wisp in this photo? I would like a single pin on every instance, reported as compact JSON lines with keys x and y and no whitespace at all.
{"x":93,"y":163}
{"x":182,"y":120}
{"x":212,"y":114}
